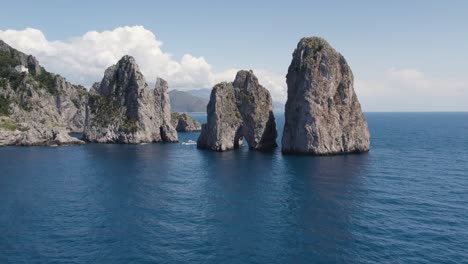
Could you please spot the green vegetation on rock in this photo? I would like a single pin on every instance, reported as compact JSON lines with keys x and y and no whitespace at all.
{"x":76,"y":102}
{"x":315,"y":43}
{"x":7,"y":60}
{"x":175,"y":115}
{"x":220,"y":85}
{"x":26,"y":105}
{"x":130,"y":125}
{"x":316,"y":47}
{"x":47,"y":80}
{"x":245,"y":94}
{"x":4,"y":105}
{"x":15,"y":79}
{"x":104,"y":110}
{"x":3,"y":82}
{"x":7,"y":70}
{"x":7,"y":123}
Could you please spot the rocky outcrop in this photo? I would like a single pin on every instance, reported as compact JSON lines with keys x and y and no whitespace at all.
{"x":184,"y":123}
{"x":323,"y":115}
{"x":37,"y":107}
{"x":236,"y":111}
{"x":123,"y":109}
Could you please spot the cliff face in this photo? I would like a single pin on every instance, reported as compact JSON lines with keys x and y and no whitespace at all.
{"x":184,"y":123}
{"x":236,"y":111}
{"x":323,"y":115}
{"x":123,"y":109}
{"x":37,"y":107}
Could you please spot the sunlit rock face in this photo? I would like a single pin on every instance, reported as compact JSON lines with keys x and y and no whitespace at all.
{"x":322,"y":114}
{"x":37,"y":107}
{"x":123,"y":109}
{"x":239,"y":110}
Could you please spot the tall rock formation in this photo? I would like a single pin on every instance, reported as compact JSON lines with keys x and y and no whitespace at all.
{"x":37,"y":107}
{"x":323,"y":115}
{"x":123,"y":109}
{"x":236,"y":111}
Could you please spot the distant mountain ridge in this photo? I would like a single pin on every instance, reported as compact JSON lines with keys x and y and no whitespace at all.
{"x":185,"y":101}
{"x":203,"y":93}
{"x":189,"y":101}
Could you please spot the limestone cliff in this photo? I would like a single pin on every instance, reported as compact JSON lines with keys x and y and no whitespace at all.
{"x":37,"y":107}
{"x":236,"y":111}
{"x":323,"y":115}
{"x":184,"y":123}
{"x":123,"y":109}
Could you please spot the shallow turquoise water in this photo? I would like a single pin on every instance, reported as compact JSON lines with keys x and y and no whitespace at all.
{"x":404,"y":202}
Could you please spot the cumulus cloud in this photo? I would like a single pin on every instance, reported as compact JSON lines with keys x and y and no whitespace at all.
{"x":83,"y":59}
{"x":412,"y":90}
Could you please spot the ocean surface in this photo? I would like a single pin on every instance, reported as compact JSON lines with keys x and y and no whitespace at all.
{"x":406,"y":201}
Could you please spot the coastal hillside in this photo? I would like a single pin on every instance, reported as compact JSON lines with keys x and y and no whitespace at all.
{"x":37,"y":107}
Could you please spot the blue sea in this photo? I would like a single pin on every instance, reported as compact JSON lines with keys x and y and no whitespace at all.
{"x":406,"y":201}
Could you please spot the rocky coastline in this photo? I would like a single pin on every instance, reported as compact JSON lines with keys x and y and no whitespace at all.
{"x":323,"y":115}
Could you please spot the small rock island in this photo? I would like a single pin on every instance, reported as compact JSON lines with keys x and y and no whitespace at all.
{"x":323,"y":115}
{"x":239,"y":110}
{"x":123,"y":109}
{"x":184,"y":123}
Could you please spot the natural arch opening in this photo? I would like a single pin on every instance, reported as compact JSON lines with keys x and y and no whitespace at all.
{"x":239,"y":138}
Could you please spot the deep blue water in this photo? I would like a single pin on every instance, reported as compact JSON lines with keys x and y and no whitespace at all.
{"x":404,"y":202}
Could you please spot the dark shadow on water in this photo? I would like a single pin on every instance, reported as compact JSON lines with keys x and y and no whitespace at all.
{"x":324,"y":193}
{"x":294,"y":209}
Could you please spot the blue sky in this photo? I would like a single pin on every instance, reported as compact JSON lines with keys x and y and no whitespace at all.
{"x":405,"y":55}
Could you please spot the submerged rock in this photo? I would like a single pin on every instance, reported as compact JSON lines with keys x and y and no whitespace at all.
{"x":37,"y":107}
{"x":184,"y":123}
{"x":238,"y":110}
{"x":123,"y":109}
{"x":323,"y":115}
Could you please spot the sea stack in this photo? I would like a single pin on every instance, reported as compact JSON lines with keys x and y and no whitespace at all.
{"x":322,"y":114}
{"x":184,"y":123}
{"x":239,"y":110}
{"x":37,"y":107}
{"x":123,"y":109}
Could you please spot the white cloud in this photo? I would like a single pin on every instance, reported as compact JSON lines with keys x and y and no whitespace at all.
{"x":275,"y":83}
{"x":83,"y":59}
{"x":412,"y":90}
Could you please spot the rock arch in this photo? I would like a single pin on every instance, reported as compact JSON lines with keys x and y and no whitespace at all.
{"x":242,"y":109}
